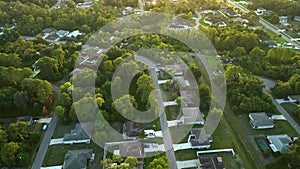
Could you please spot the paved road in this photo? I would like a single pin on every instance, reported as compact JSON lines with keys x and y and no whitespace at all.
{"x":141,"y":3}
{"x":275,"y":29}
{"x":57,"y":5}
{"x":45,"y":143}
{"x":269,"y":84}
{"x":287,"y":116}
{"x":164,"y":125}
{"x":240,"y":7}
{"x":163,"y":118}
{"x":39,"y":158}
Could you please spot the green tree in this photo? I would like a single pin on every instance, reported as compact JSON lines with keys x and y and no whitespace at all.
{"x":9,"y":153}
{"x":159,"y":163}
{"x":132,"y":161}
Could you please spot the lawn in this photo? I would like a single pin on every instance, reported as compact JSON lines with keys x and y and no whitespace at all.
{"x":60,"y":130}
{"x":281,"y":127}
{"x":220,"y":136}
{"x":56,"y":154}
{"x":202,"y":22}
{"x":173,"y":112}
{"x":183,"y":155}
{"x":290,"y":108}
{"x":180,"y":134}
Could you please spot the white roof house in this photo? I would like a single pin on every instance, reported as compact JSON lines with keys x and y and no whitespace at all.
{"x":74,"y":34}
{"x":279,"y":143}
{"x":62,"y":33}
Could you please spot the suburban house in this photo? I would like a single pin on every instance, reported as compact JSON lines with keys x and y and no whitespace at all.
{"x":74,"y":34}
{"x":189,"y":99}
{"x":78,"y":159}
{"x":261,"y":11}
{"x":177,"y":69}
{"x":127,"y":10}
{"x":131,"y":130}
{"x":81,"y":134}
{"x":181,"y":81}
{"x":283,"y":20}
{"x":62,"y":33}
{"x":199,"y":139}
{"x":280,"y":143}
{"x":260,"y":121}
{"x":192,"y":115}
{"x":25,"y":119}
{"x":84,"y":5}
{"x":211,"y":162}
{"x":297,"y":18}
{"x":134,"y":148}
{"x":231,"y":12}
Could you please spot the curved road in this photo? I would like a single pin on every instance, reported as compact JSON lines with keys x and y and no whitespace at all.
{"x":269,"y":84}
{"x":39,"y":158}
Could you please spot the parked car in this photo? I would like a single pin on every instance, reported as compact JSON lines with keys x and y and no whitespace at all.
{"x":45,"y":127}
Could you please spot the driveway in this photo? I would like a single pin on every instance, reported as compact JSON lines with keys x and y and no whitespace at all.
{"x":269,"y":84}
{"x":188,"y":164}
{"x":57,"y":141}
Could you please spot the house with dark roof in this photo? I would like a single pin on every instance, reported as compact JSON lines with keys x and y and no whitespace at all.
{"x":192,"y":115}
{"x":24,"y":119}
{"x":211,"y":162}
{"x":199,"y":139}
{"x":131,"y":130}
{"x":280,"y":143}
{"x":297,"y":18}
{"x":134,"y":148}
{"x":78,"y":159}
{"x":80,"y":134}
{"x":260,"y":121}
{"x":231,"y":12}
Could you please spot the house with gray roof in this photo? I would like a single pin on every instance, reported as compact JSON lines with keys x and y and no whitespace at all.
{"x":192,"y":115}
{"x":131,"y":130}
{"x":78,"y":159}
{"x":134,"y":148}
{"x":80,"y":134}
{"x":280,"y":143}
{"x":211,"y":162}
{"x":199,"y":139}
{"x":260,"y":120}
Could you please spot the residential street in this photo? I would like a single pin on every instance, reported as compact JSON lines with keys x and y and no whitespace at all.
{"x":57,"y":5}
{"x":269,"y":84}
{"x":163,"y":118}
{"x":39,"y":158}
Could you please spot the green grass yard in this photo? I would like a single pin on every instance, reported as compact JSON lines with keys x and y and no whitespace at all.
{"x":290,"y":108}
{"x":56,"y":154}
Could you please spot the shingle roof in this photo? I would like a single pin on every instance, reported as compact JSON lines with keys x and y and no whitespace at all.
{"x":210,"y":162}
{"x":281,"y":142}
{"x":200,"y":137}
{"x":260,"y":119}
{"x":82,"y":131}
{"x":131,"y":129}
{"x":77,"y":159}
{"x":134,"y":148}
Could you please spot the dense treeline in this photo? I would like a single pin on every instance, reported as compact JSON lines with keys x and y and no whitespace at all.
{"x":281,"y":7}
{"x":16,"y":144}
{"x":245,"y":92}
{"x":31,"y":19}
{"x":290,"y":87}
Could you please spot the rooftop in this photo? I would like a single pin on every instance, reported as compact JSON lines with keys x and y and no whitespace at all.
{"x":211,"y":162}
{"x":260,"y":119}
{"x":199,"y":137}
{"x":280,"y":143}
{"x":189,"y":98}
{"x":134,"y":148}
{"x":82,"y":131}
{"x":131,"y":129}
{"x":77,"y":159}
